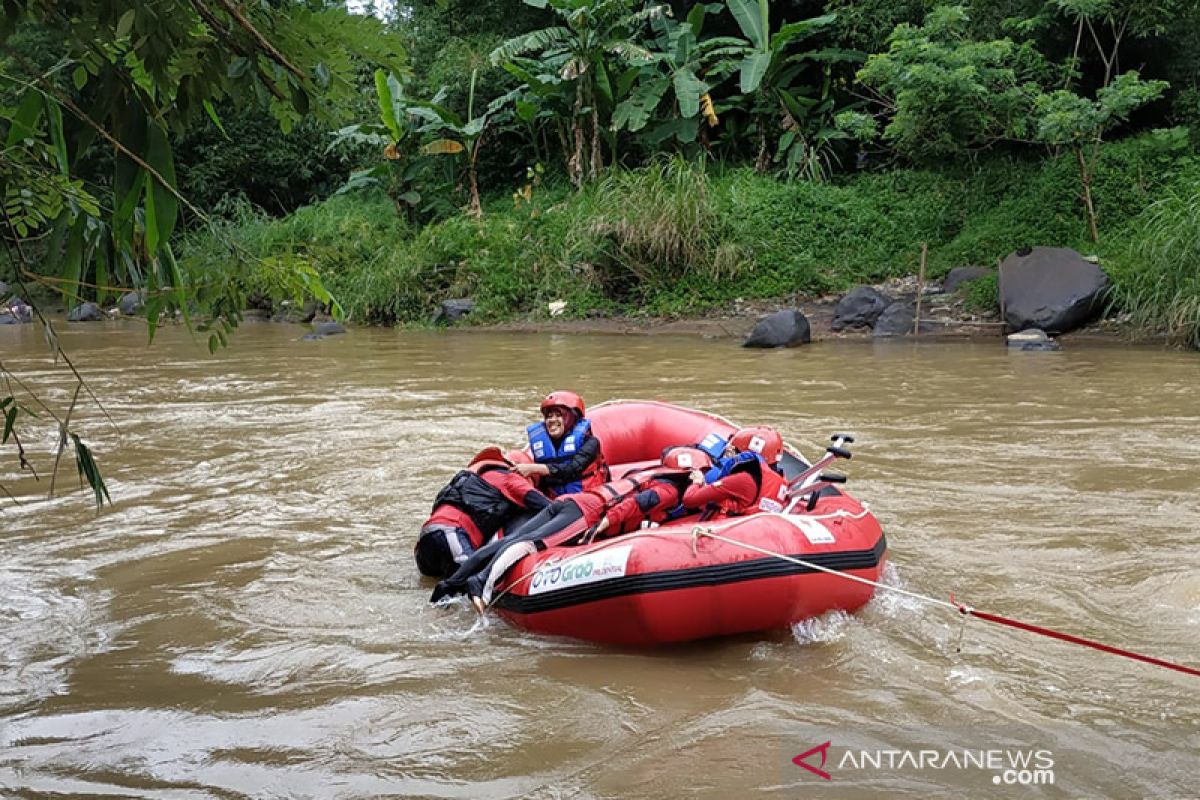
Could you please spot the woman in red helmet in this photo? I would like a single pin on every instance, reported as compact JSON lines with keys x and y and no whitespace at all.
{"x":568,"y":456}
{"x":746,"y":479}
{"x":478,"y":501}
{"x":613,"y":507}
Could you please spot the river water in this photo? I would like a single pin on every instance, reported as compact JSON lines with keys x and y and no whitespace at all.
{"x":246,"y":619}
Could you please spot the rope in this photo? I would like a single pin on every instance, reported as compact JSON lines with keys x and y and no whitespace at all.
{"x":710,"y":532}
{"x":965,"y":610}
{"x":701,"y":531}
{"x":1067,"y":637}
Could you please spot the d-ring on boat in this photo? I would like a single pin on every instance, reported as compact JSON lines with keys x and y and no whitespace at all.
{"x":690,"y":579}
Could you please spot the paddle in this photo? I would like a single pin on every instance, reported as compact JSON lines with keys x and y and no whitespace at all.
{"x":811,"y":481}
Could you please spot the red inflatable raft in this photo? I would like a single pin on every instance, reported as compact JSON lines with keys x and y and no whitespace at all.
{"x":689,"y":579}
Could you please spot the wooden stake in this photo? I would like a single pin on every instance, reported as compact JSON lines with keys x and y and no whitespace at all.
{"x":920,"y":289}
{"x":1000,"y":293}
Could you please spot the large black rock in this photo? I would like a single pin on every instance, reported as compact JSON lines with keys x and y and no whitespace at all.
{"x":896,"y":320}
{"x":785,"y":328}
{"x":453,"y":310}
{"x":1051,"y":288}
{"x":328,"y":328}
{"x":85,"y":312}
{"x":130,"y":303}
{"x":859,"y":308}
{"x":15,"y":311}
{"x":962,"y":275}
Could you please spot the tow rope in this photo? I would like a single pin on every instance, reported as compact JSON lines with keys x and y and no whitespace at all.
{"x":1067,"y":637}
{"x":961,"y":608}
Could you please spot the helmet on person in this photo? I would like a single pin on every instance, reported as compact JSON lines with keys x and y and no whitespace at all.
{"x":488,"y":457}
{"x":518,"y":457}
{"x":686,"y":458}
{"x":568,"y":400}
{"x":759,"y":439}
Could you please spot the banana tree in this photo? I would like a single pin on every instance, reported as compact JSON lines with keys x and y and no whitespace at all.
{"x":595,"y":39}
{"x":471,"y":132}
{"x":766,"y":70}
{"x":684,"y":68}
{"x":404,"y":132}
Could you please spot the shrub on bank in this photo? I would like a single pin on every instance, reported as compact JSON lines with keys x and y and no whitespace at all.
{"x":676,"y":237}
{"x":1154,"y":267}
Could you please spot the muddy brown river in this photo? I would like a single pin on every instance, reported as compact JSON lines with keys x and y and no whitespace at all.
{"x":246,"y":621}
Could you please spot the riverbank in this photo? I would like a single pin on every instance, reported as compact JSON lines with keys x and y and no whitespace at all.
{"x":676,"y":243}
{"x":944,"y":316}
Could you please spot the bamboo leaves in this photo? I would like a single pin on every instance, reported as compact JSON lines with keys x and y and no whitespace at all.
{"x":9,"y":408}
{"x":89,"y":471}
{"x":162,"y":208}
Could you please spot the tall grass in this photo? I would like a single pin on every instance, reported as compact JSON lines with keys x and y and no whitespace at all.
{"x":653,"y":230}
{"x":1158,"y":282}
{"x":677,"y":237}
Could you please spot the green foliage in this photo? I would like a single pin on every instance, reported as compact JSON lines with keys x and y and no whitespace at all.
{"x":677,"y":60}
{"x":594,"y":42}
{"x":982,"y":294}
{"x":948,"y":93}
{"x":279,"y":172}
{"x":89,"y":471}
{"x":649,"y":232}
{"x":673,"y":238}
{"x":36,"y":186}
{"x":148,"y":71}
{"x":1154,"y":273}
{"x":1066,"y":118}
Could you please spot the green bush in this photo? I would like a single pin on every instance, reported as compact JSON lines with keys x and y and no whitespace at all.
{"x":981,"y":295}
{"x":677,"y":238}
{"x":1154,"y":272}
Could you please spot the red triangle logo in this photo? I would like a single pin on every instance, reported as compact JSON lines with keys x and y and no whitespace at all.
{"x":800,"y":762}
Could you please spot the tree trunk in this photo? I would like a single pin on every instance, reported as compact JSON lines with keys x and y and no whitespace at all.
{"x":763,"y":160}
{"x":1085,"y":179}
{"x":475,"y":208}
{"x":575,"y":163}
{"x":597,"y":155}
{"x":563,"y":143}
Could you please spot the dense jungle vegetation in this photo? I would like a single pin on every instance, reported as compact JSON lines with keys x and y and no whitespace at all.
{"x":617,"y":154}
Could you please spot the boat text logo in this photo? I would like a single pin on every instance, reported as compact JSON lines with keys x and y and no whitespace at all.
{"x":598,"y":566}
{"x":1009,"y":767}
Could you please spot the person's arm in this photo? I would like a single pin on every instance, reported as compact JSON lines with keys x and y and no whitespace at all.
{"x":644,"y":504}
{"x":739,"y":487}
{"x":517,"y":490}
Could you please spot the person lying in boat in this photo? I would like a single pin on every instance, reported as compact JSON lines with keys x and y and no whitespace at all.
{"x":648,"y":493}
{"x":468,"y":512}
{"x":657,"y":503}
{"x":762,"y":440}
{"x":568,"y":456}
{"x":746,"y":479}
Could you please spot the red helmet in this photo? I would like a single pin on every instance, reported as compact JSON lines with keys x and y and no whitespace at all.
{"x":687,"y":458}
{"x":568,"y":400}
{"x":759,"y":439}
{"x":518,"y":457}
{"x":487,"y":457}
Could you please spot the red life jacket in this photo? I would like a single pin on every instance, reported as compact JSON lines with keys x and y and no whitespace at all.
{"x":614,"y":492}
{"x":772,"y":491}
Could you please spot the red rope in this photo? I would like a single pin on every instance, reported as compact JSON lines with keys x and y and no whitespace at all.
{"x":1066,"y":637}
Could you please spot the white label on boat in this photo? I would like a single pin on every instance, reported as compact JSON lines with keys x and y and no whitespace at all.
{"x":814,"y":531}
{"x":599,"y":566}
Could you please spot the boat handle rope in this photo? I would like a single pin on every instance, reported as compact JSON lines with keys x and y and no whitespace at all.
{"x":708,"y":532}
{"x":555,"y":561}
